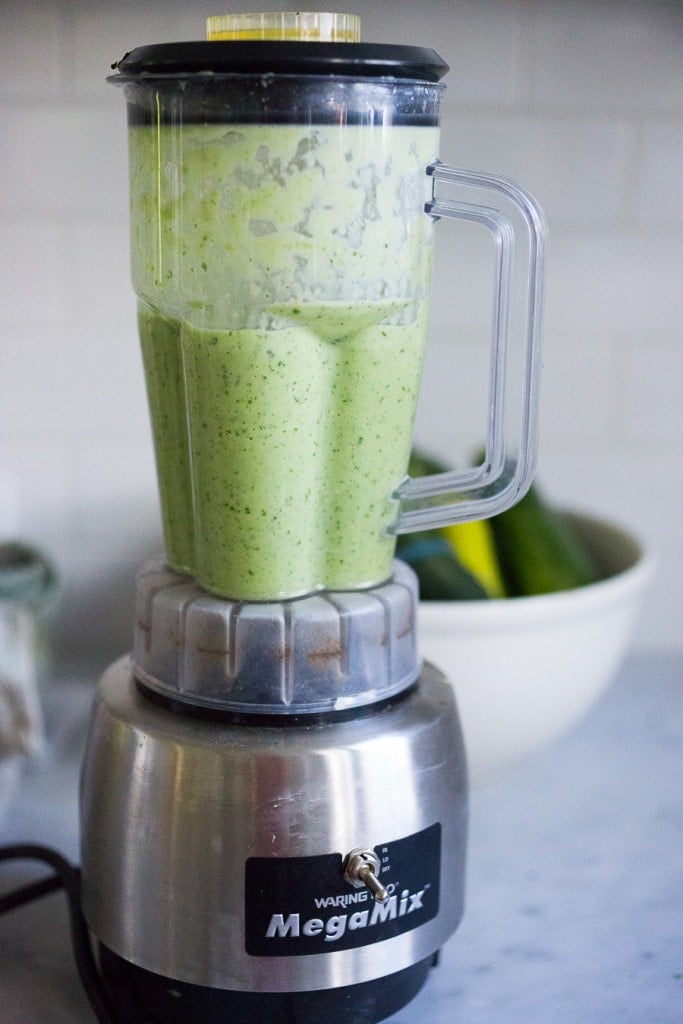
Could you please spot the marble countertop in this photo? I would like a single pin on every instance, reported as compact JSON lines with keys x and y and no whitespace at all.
{"x":575,"y":877}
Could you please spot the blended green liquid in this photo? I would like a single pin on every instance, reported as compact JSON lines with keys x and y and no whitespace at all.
{"x":162,"y":359}
{"x":283,"y":273}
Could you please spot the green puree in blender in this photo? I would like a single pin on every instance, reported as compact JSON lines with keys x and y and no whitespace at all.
{"x":283,"y":272}
{"x":161,"y":355}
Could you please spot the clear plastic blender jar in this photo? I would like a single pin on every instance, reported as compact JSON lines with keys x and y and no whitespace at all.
{"x":282,"y":215}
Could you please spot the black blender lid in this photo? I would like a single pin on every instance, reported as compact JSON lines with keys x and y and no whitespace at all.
{"x":369,"y":60}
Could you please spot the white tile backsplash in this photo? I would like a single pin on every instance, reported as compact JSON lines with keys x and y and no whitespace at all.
{"x":485,"y":44}
{"x":619,"y":56}
{"x":660,"y":190}
{"x":625,"y":281}
{"x":98,"y":263}
{"x":40,"y":366}
{"x":32,"y":49}
{"x":574,"y":166}
{"x":37,"y":466}
{"x":652,"y":368}
{"x":582,"y":391}
{"x":99,"y":383}
{"x":32,"y":272}
{"x":62,"y":161}
{"x":582,"y":101}
{"x":116,"y":478}
{"x":9,"y":503}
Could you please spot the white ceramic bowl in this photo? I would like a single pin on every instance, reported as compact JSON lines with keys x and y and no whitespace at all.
{"x":525,"y":669}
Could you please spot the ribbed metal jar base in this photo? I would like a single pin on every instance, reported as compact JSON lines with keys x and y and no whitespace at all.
{"x":329,"y":651}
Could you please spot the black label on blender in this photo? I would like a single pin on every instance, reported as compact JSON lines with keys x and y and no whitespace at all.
{"x":295,"y":906}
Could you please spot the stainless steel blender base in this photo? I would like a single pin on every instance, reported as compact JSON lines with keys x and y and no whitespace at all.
{"x":281,"y":864}
{"x":212,"y":851}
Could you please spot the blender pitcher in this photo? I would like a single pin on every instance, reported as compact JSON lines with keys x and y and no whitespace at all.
{"x":282,"y":209}
{"x":274,"y":790}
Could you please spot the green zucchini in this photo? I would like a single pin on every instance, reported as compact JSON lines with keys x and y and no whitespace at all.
{"x":441,"y":576}
{"x":538,"y":551}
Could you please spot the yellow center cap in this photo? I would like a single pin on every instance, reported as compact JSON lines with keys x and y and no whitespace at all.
{"x":302,"y":26}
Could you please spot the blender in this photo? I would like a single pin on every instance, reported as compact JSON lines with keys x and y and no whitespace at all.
{"x":274,"y":791}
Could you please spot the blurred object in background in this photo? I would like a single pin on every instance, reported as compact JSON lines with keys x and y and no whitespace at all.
{"x":29,"y":581}
{"x":29,"y":596}
{"x":529,"y":549}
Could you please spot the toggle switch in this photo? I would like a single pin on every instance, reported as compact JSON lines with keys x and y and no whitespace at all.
{"x":361,"y":867}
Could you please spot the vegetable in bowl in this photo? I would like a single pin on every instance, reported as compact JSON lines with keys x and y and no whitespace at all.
{"x":530,"y":549}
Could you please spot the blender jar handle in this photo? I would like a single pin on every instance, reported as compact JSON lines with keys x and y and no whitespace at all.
{"x":500,"y":481}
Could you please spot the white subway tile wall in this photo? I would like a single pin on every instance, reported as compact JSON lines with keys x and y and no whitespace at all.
{"x":580,"y":101}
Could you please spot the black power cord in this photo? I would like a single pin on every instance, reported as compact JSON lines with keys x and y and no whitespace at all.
{"x":68,"y":877}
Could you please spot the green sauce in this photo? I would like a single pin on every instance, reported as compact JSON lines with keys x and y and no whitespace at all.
{"x":162,"y":360}
{"x":283,"y":273}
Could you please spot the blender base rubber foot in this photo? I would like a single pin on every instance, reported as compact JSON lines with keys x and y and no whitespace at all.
{"x":142,"y":997}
